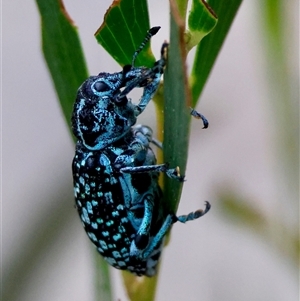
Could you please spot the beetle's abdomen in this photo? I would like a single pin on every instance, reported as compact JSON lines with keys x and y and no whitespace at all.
{"x":100,"y":203}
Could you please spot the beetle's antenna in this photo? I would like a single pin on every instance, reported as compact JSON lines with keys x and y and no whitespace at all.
{"x":150,"y":33}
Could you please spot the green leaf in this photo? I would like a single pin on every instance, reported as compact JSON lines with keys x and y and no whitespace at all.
{"x":237,"y":208}
{"x":275,"y":28}
{"x":63,"y":53}
{"x":66,"y":63}
{"x":270,"y":228}
{"x":125,"y":25}
{"x":201,"y":21}
{"x":208,"y":50}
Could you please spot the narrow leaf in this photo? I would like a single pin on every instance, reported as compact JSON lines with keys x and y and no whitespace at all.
{"x":201,"y":21}
{"x":239,"y":210}
{"x":283,"y":89}
{"x":124,"y":28}
{"x":208,"y":50}
{"x":66,"y":63}
{"x":63,"y":53}
{"x":271,"y":229}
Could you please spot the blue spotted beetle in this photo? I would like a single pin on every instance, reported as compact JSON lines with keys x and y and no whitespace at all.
{"x":115,"y":173}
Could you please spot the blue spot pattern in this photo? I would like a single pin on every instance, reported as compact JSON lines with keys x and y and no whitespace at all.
{"x":115,"y":173}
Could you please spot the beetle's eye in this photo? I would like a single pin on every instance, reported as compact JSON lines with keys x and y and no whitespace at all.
{"x":122,"y":101}
{"x":101,"y":86}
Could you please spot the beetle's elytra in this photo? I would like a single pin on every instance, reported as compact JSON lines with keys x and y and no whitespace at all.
{"x":115,"y":173}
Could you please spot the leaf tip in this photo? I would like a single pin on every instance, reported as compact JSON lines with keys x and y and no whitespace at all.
{"x":114,"y":4}
{"x":65,"y":13}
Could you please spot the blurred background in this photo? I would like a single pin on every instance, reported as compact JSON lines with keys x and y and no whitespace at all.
{"x":246,"y":165}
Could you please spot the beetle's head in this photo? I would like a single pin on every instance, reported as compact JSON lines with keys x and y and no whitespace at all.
{"x":99,"y":117}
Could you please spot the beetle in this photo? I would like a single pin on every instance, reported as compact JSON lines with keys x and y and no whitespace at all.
{"x":115,"y":173}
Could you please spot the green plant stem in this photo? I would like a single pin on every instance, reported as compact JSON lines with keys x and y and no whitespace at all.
{"x":140,"y":288}
{"x":103,"y":287}
{"x":176,"y":109}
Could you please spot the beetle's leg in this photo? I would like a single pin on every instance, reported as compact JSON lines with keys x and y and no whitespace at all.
{"x":154,"y":79}
{"x":139,"y":150}
{"x":157,"y":239}
{"x":193,"y":215}
{"x":149,"y":79}
{"x":171,"y":219}
{"x":141,"y":239}
{"x":197,"y":115}
{"x":157,"y":143}
{"x":147,"y":131}
{"x":173,"y":173}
